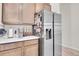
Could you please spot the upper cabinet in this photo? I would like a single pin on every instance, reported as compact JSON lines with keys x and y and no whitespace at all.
{"x":38,"y":7}
{"x":21,"y":13}
{"x":41,"y":6}
{"x":18,"y":13}
{"x":10,"y":13}
{"x":1,"y":14}
{"x":28,"y":13}
{"x":47,"y":6}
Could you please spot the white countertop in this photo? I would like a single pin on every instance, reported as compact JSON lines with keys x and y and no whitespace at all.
{"x":10,"y":40}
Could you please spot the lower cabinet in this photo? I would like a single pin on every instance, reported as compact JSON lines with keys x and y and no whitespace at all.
{"x":12,"y":52}
{"x":31,"y":50}
{"x":25,"y":48}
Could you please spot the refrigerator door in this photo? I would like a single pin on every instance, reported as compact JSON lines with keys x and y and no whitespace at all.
{"x":47,"y":41}
{"x":48,"y":16}
{"x":57,"y":35}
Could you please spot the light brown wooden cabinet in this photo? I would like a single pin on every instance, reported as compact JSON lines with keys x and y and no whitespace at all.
{"x":31,"y":50}
{"x":28,"y":13}
{"x":10,"y":13}
{"x":41,"y":6}
{"x":24,"y":48}
{"x":12,"y":52}
{"x":22,"y":13}
{"x":8,"y":46}
{"x":18,"y":13}
{"x":1,"y":14}
{"x":47,"y":6}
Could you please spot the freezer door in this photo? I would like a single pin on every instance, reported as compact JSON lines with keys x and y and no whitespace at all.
{"x":57,"y":35}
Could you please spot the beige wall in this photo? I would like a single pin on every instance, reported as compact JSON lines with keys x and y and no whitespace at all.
{"x":66,"y":24}
{"x":75,"y":25}
{"x":70,"y":25}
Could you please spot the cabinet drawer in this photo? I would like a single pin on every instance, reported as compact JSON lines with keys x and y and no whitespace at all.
{"x":13,"y":52}
{"x":10,"y":46}
{"x":30,"y":42}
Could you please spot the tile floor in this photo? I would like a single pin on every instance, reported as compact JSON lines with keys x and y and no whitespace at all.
{"x":69,"y":52}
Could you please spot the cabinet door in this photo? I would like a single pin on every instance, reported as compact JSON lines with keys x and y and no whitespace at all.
{"x":13,"y":52}
{"x":28,"y":13}
{"x":47,"y":6}
{"x":1,"y":14}
{"x":10,"y":13}
{"x":31,"y":50}
{"x":41,"y":6}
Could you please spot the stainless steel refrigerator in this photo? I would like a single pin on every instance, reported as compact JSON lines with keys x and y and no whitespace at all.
{"x":50,"y":29}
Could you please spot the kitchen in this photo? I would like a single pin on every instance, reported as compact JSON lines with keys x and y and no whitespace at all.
{"x":22,"y":27}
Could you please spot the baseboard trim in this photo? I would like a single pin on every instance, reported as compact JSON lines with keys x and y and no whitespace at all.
{"x":70,"y":47}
